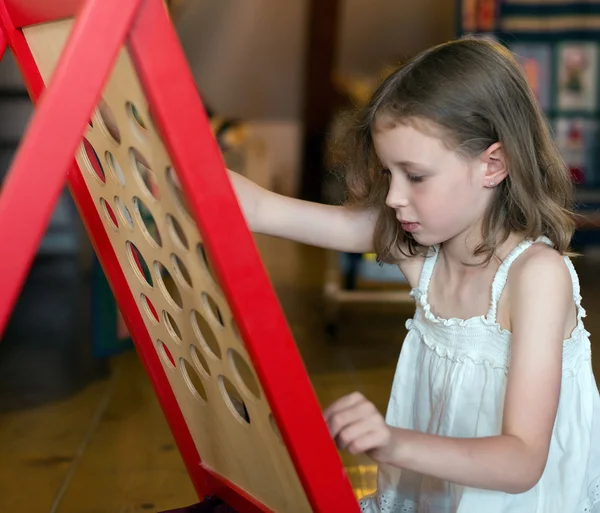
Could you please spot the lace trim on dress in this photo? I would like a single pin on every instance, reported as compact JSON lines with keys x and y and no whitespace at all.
{"x":389,"y":502}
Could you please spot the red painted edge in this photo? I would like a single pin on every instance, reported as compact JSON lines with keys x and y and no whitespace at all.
{"x":3,"y":43}
{"x":31,"y":12}
{"x":185,"y":130}
{"x":52,"y":138}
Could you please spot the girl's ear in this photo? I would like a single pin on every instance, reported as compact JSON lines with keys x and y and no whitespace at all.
{"x":494,"y":165}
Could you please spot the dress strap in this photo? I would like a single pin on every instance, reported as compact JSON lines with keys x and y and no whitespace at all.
{"x":428,"y":266}
{"x":502,"y":273}
{"x":574,"y":280}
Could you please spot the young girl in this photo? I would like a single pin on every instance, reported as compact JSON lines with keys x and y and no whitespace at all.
{"x":455,"y":178}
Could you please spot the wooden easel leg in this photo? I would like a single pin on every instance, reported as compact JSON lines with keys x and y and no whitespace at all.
{"x":39,"y":171}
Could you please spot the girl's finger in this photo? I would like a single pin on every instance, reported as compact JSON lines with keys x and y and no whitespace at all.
{"x":369,"y":441}
{"x":343,"y":403}
{"x":359,"y":412}
{"x":349,"y":434}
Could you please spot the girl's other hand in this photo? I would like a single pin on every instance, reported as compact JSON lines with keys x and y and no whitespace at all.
{"x":357,"y":427}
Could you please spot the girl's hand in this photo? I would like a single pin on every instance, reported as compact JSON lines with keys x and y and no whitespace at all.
{"x":357,"y":426}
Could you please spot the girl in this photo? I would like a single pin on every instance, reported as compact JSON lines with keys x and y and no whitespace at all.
{"x":454,"y":176}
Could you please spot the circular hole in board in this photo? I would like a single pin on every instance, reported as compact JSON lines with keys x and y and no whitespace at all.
{"x":205,"y":334}
{"x":165,"y":354}
{"x":172,"y":327}
{"x":177,"y":233}
{"x":109,"y":214}
{"x":136,"y":118}
{"x":109,"y":122}
{"x":199,"y":360}
{"x":181,"y":271}
{"x":144,"y":173}
{"x":94,"y":161}
{"x":244,"y":372}
{"x":233,"y":399}
{"x":168,"y":285}
{"x":235,"y":330}
{"x":175,"y":185}
{"x":146,"y":219}
{"x":124,"y":212}
{"x":115,"y":168}
{"x":138,"y":264}
{"x":213,"y":308}
{"x":202,"y":255}
{"x":192,"y":379}
{"x":149,"y":309}
{"x":274,"y":427}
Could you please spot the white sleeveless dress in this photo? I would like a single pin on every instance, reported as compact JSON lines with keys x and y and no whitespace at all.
{"x":450,"y":381}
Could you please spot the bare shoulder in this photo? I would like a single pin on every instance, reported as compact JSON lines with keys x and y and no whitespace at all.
{"x":541,"y":264}
{"x":540,"y":277}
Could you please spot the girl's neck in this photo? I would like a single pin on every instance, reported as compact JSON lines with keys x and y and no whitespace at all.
{"x":458,"y":253}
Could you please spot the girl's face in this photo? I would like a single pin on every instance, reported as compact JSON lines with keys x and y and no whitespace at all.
{"x":437,"y":194}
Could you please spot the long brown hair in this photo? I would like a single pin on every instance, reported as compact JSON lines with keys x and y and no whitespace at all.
{"x":476,"y":93}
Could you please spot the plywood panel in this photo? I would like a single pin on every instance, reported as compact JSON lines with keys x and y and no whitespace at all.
{"x":129,"y":174}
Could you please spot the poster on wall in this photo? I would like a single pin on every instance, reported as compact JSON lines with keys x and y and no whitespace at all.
{"x":577,"y":81}
{"x":487,"y":15}
{"x":536,"y":61}
{"x":479,"y":15}
{"x":469,"y":15}
{"x":577,"y":139}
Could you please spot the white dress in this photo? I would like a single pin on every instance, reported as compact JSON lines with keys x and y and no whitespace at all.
{"x":450,"y":381}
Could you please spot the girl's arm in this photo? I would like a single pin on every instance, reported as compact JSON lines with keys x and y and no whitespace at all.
{"x":327,"y":226}
{"x":540,"y":303}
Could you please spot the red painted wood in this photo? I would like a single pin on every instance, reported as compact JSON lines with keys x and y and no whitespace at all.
{"x":22,"y":54}
{"x":185,"y":129}
{"x":3,"y":43}
{"x":53,"y":137}
{"x":31,"y":12}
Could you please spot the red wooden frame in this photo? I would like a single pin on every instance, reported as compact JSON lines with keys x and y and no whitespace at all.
{"x":51,"y":140}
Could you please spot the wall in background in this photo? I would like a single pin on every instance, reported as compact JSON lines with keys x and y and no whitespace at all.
{"x":247,"y":57}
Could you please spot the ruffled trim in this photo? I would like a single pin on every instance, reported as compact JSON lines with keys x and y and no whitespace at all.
{"x":495,"y":353}
{"x":420,"y":298}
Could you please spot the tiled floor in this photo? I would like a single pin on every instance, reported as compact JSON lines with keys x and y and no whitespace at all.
{"x":108,"y":449}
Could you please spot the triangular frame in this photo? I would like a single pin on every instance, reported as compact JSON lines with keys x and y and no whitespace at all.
{"x":45,"y":160}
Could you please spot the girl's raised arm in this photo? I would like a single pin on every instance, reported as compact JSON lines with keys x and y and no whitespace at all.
{"x":327,"y":226}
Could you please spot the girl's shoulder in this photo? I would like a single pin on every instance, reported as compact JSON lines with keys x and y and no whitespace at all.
{"x":543,"y":276}
{"x":540,"y":260}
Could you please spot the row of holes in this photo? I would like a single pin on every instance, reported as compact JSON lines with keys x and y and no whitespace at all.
{"x":240,"y":368}
{"x":143,"y":173}
{"x":200,"y":326}
{"x":229,"y":392}
{"x":149,"y":185}
{"x":110,"y":125}
{"x":151,"y":232}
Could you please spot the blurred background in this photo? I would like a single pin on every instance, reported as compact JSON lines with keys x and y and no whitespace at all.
{"x":79,"y":422}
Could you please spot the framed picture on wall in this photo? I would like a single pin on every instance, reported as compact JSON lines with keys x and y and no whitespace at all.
{"x":487,"y":15}
{"x":469,"y":15}
{"x":536,"y":61}
{"x":577,"y":76}
{"x":577,"y":139}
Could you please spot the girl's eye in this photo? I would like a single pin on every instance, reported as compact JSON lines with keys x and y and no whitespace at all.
{"x":385,"y":171}
{"x":414,"y":178}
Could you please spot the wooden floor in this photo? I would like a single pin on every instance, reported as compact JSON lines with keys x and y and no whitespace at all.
{"x":108,"y":449}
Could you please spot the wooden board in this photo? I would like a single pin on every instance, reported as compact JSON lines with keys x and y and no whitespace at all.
{"x":128,"y":173}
